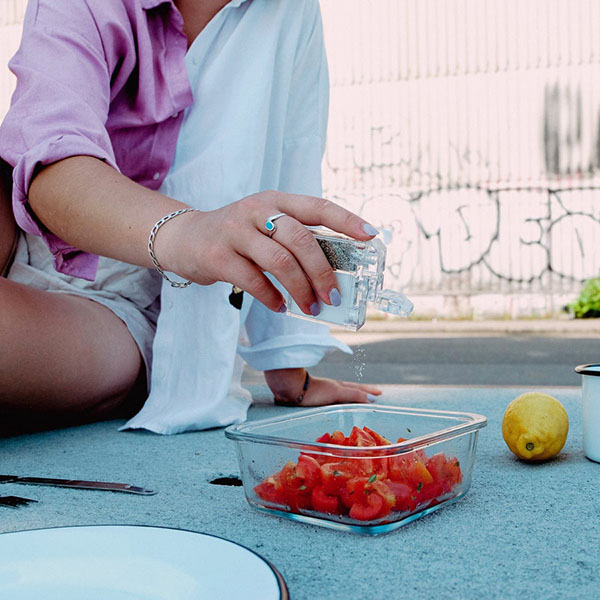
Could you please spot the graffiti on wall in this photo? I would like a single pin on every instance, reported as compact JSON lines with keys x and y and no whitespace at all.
{"x":459,"y":219}
{"x":526,"y":238}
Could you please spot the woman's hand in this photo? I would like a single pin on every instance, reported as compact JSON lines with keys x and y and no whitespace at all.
{"x":287,"y":384}
{"x":232,"y":244}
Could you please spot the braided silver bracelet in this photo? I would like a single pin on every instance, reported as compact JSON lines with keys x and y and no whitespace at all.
{"x":152,"y":237}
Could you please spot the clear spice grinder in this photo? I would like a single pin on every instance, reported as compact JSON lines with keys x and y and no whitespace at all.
{"x":359,"y":268}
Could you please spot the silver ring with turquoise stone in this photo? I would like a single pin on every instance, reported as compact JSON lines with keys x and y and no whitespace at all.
{"x":270,"y":224}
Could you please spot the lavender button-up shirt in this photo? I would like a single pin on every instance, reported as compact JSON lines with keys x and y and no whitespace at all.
{"x":99,"y":78}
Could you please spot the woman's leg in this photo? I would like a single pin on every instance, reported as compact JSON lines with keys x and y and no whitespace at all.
{"x":64,"y":360}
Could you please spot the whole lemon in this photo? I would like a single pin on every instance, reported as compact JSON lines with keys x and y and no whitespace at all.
{"x":535,"y":426}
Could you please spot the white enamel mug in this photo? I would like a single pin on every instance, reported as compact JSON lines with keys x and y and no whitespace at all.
{"x":590,"y":395}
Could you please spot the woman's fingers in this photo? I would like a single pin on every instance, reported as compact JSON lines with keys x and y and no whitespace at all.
{"x":369,"y":389}
{"x":310,"y":210}
{"x":251,"y":279}
{"x":329,"y":391}
{"x":298,"y":263}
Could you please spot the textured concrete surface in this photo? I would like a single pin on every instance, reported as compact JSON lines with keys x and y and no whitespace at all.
{"x":522,"y":531}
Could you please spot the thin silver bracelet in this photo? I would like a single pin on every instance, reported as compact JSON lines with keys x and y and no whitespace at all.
{"x":152,"y":237}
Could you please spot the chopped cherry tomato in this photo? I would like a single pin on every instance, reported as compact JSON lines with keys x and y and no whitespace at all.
{"x":366,"y":486}
{"x":356,"y":487}
{"x":435,"y":465}
{"x":364,"y":466}
{"x":381,"y":488}
{"x":309,"y":470}
{"x":359,"y":437}
{"x":338,"y":438}
{"x":334,"y":476}
{"x":445,"y":471}
{"x":428,"y":492}
{"x":362,"y":489}
{"x":409,"y":469}
{"x":380,"y":466}
{"x":379,"y":439}
{"x":295,"y":488}
{"x":289,"y":480}
{"x":346,"y":497}
{"x":369,"y":509}
{"x":453,"y":472}
{"x":405,"y":498}
{"x":270,"y":490}
{"x":323,"y":502}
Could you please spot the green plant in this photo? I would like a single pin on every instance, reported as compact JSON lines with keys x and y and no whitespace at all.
{"x":588,"y":304}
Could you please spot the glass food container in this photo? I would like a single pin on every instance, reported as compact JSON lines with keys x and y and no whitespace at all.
{"x":359,"y":268}
{"x":368,"y":489}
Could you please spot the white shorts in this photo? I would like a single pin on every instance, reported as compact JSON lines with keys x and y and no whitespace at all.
{"x":132,"y":293}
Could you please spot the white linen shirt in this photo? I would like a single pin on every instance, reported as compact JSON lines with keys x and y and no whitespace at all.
{"x":259,"y":76}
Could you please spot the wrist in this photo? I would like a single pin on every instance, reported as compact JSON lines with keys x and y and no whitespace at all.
{"x":288,"y":385}
{"x":165,"y":241}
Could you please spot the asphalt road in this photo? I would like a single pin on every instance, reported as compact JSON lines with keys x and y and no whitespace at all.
{"x":457,"y":359}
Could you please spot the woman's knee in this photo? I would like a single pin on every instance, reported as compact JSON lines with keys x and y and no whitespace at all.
{"x":64,"y":355}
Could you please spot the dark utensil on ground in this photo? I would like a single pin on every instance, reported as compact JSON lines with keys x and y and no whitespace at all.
{"x":78,"y":484}
{"x":15,"y":501}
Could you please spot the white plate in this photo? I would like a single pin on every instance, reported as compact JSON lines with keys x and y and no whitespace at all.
{"x":114,"y":562}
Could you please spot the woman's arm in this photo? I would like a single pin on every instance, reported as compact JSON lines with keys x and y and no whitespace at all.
{"x":93,"y":207}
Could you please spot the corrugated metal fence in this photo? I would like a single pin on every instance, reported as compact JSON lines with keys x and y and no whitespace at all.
{"x":469,"y":130}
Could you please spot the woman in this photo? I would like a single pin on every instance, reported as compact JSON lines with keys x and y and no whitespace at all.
{"x":91,"y":135}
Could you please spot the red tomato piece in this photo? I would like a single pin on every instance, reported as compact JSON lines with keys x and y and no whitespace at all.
{"x":379,"y":439}
{"x":295,"y":489}
{"x":289,"y":480}
{"x":270,"y":490}
{"x":356,"y":487}
{"x":338,"y":438}
{"x":298,"y":500}
{"x":363,"y":490}
{"x":430,"y":491}
{"x":334,"y":477}
{"x":409,"y":469}
{"x":436,"y":465}
{"x":323,"y":502}
{"x":398,"y":466}
{"x":324,"y":439}
{"x":320,"y":458}
{"x":309,"y":470}
{"x":405,"y":498}
{"x":381,"y":488}
{"x":369,"y":509}
{"x":358,"y":437}
{"x":346,"y":498}
{"x":380,"y":466}
{"x":453,"y":472}
{"x":363,"y":466}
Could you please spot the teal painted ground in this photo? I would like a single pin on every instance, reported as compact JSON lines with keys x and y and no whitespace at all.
{"x":521,"y":531}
